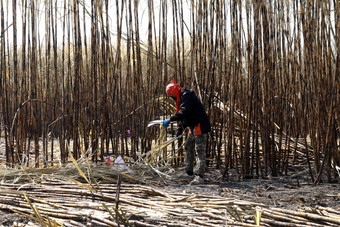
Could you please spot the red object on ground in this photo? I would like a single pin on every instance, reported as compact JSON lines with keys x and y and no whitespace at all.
{"x":108,"y":160}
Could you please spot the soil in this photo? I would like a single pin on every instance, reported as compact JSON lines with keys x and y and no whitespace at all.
{"x":282,"y":192}
{"x":8,"y":218}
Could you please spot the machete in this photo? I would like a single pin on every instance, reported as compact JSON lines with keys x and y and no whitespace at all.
{"x":156,"y":122}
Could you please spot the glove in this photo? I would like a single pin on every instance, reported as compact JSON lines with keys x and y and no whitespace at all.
{"x":179,"y":132}
{"x":166,"y":123}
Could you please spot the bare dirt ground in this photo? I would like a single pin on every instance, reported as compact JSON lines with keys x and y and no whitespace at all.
{"x":283,"y":192}
{"x":12,"y":219}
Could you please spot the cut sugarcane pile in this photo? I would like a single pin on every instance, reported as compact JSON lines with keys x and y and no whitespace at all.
{"x":53,"y":199}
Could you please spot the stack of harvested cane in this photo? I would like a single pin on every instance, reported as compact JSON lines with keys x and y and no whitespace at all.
{"x":50,"y":198}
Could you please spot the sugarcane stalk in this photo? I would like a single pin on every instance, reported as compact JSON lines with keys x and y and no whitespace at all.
{"x":309,"y":216}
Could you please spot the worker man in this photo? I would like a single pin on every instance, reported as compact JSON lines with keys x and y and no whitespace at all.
{"x":190,"y":114}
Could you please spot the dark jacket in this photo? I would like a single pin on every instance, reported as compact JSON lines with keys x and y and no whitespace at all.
{"x":192,"y":112}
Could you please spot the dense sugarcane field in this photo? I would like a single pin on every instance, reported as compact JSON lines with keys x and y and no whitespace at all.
{"x":80,"y":81}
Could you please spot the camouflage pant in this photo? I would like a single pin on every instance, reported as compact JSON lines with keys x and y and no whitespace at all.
{"x":199,"y":142}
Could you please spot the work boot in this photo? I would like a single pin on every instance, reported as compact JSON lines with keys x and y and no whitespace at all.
{"x":197,"y":180}
{"x":187,"y":175}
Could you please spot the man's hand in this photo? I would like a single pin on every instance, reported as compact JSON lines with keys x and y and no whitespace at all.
{"x":179,"y":132}
{"x":166,"y":123}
